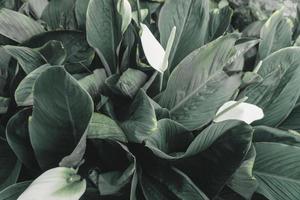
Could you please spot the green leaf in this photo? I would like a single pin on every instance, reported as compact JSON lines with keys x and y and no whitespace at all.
{"x":79,"y":54}
{"x":277,"y":94}
{"x":169,"y":183}
{"x":94,"y":84}
{"x":80,"y":12}
{"x":291,"y":122}
{"x":242,"y":46}
{"x":219,"y":21}
{"x":274,"y":135}
{"x":28,"y":58}
{"x":131,"y":81}
{"x":198,"y":81}
{"x":18,"y":138}
{"x":277,"y":170}
{"x":37,"y":7}
{"x":243,"y":181}
{"x":170,"y":139}
{"x":118,"y":166}
{"x":104,"y":30}
{"x":53,"y":52}
{"x":215,"y":154}
{"x":103,"y":127}
{"x":14,"y":191}
{"x":141,"y":121}
{"x":10,"y":166}
{"x":60,"y":14}
{"x":24,"y":91}
{"x":190,"y":17}
{"x":275,"y":34}
{"x":17,"y":26}
{"x":4,"y":104}
{"x":60,"y":116}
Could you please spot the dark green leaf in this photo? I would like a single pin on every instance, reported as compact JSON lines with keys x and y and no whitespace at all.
{"x":243,"y":181}
{"x":4,"y":104}
{"x":14,"y":191}
{"x":79,"y":54}
{"x":131,"y":81}
{"x":10,"y":166}
{"x":215,"y":154}
{"x":29,"y":59}
{"x":104,"y":30}
{"x":60,"y":14}
{"x":103,"y":127}
{"x":169,"y":183}
{"x":23,"y":93}
{"x":191,"y":20}
{"x":60,"y":116}
{"x":141,"y":121}
{"x":17,"y":135}
{"x":94,"y":84}
{"x":219,"y":21}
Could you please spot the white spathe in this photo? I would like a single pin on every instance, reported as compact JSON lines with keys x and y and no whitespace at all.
{"x":242,"y":111}
{"x":59,"y":183}
{"x":153,"y":50}
{"x":124,"y":9}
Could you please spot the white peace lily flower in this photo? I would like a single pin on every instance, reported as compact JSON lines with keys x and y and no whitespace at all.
{"x":239,"y":111}
{"x":124,"y":9}
{"x":154,"y":52}
{"x":59,"y":183}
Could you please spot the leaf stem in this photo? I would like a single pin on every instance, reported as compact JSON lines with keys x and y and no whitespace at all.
{"x":139,"y":13}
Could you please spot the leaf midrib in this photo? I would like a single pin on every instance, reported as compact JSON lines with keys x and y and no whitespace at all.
{"x":178,"y":105}
{"x":276,"y":176}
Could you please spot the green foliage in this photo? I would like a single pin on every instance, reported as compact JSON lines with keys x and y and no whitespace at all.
{"x":77,"y":91}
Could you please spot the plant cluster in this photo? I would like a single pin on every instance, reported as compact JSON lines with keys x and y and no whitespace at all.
{"x":149,"y":100}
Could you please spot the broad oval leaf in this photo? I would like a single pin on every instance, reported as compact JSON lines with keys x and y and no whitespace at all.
{"x":199,"y":81}
{"x":277,"y":94}
{"x":103,"y":29}
{"x":60,"y":116}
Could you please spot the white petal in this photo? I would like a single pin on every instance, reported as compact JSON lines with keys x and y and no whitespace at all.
{"x":243,"y":111}
{"x":124,"y":9}
{"x":59,"y":183}
{"x":153,"y":50}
